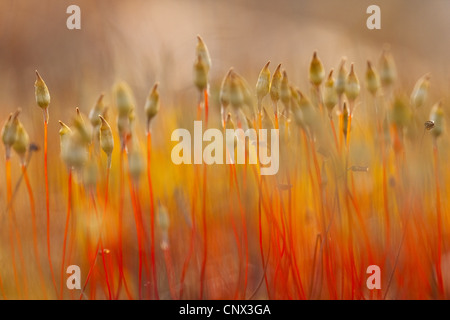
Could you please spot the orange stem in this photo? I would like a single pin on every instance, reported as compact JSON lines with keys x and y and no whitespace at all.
{"x":152,"y":214}
{"x":205,"y":235}
{"x":33,"y":221}
{"x":244,"y":227}
{"x":439,"y":221}
{"x":66,"y":229}
{"x":261,"y":247}
{"x":47,"y":202}
{"x":99,"y":242}
{"x":122,"y":279}
{"x":102,"y":250}
{"x":205,"y":93}
{"x":11,"y":222}
{"x":204,"y":230}
{"x":349,"y":125}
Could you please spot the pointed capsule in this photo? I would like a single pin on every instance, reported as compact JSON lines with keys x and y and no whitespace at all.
{"x":22,"y":142}
{"x":41,"y":92}
{"x":352,"y":87}
{"x":106,"y":139}
{"x":285,"y":91}
{"x":245,"y":89}
{"x":316,"y":70}
{"x":372,"y":79}
{"x":437,"y":116}
{"x":330,"y":96}
{"x":200,"y":73}
{"x":64,"y":133}
{"x":341,"y":78}
{"x":152,"y":104}
{"x":237,"y":98}
{"x":224,"y":95}
{"x":124,"y":99}
{"x":263,"y":82}
{"x":73,"y":150}
{"x":97,"y":110}
{"x":125,"y":104}
{"x":388,"y":72}
{"x":202,"y":50}
{"x":9,"y":132}
{"x":64,"y":130}
{"x":420,"y":92}
{"x":275,"y":84}
{"x":82,"y":127}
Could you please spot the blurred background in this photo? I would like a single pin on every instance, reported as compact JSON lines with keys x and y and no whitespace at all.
{"x":143,"y":41}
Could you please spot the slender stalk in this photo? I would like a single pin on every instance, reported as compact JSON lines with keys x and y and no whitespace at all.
{"x":238,"y":245}
{"x":341,"y":122}
{"x":152,"y":215}
{"x":244,"y":227}
{"x":139,"y":238}
{"x":91,"y":268}
{"x":66,"y":229}
{"x":141,"y":222}
{"x":192,"y":235}
{"x":47,"y":198}
{"x":11,"y":223}
{"x":233,"y":225}
{"x":204,"y":222}
{"x":348,"y":128}
{"x":297,"y":277}
{"x":99,"y":241}
{"x":391,"y":276}
{"x":205,"y":96}
{"x":385,"y":195}
{"x":120,"y":218}
{"x":102,"y":221}
{"x":261,"y":247}
{"x":33,"y":221}
{"x":122,"y":279}
{"x":204,"y":234}
{"x":313,"y":270}
{"x":439,"y":220}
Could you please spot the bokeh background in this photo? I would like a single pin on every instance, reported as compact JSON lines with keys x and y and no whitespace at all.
{"x":144,"y":41}
{"x":141,"y":42}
